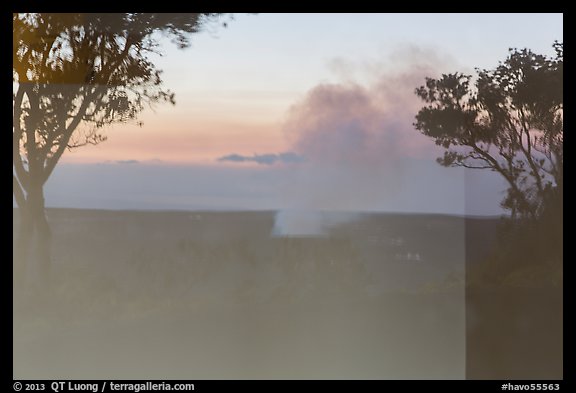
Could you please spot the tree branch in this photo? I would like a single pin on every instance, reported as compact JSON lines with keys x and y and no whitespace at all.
{"x":469,"y":166}
{"x":34,"y":164}
{"x":67,"y":134}
{"x":528,"y":152}
{"x":53,"y":160}
{"x":21,"y":173}
{"x":494,"y":164}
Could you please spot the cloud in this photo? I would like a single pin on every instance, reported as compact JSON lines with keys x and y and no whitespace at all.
{"x":264,"y":159}
{"x":234,"y":158}
{"x":127,"y":162}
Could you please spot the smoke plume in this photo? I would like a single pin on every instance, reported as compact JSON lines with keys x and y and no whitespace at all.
{"x":356,"y":138}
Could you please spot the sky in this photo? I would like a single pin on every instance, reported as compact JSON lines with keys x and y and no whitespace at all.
{"x":301,"y":111}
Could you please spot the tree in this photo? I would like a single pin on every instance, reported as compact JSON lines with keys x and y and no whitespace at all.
{"x":508,"y":120}
{"x":74,"y":74}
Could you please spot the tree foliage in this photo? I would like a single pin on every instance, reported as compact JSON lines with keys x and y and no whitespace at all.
{"x":508,"y":120}
{"x":76,"y":73}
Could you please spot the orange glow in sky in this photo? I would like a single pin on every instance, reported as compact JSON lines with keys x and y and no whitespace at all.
{"x":198,"y":129}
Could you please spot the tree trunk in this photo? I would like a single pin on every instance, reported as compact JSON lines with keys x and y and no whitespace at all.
{"x":22,"y":247}
{"x":33,"y":245}
{"x":43,"y":246}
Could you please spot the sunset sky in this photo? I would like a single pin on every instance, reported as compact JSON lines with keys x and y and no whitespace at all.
{"x":259,"y":85}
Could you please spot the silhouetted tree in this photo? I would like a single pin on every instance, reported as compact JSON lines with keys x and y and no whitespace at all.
{"x":508,"y":120}
{"x":73,"y":75}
